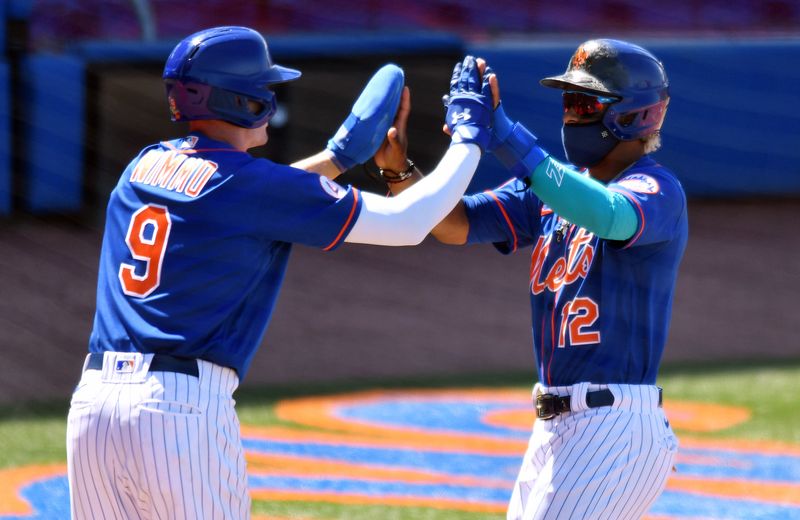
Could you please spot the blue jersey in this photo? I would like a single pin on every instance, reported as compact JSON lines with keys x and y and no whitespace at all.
{"x":195,"y":248}
{"x":600,"y":308}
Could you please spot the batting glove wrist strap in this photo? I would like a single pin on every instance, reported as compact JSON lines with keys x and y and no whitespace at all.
{"x":469,"y":105}
{"x":372,"y":115}
{"x":469,"y":119}
{"x":514,"y":146}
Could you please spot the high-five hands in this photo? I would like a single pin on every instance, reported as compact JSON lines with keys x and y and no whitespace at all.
{"x":513,"y":145}
{"x":393,"y":152}
{"x":371,"y":116}
{"x":469,"y":105}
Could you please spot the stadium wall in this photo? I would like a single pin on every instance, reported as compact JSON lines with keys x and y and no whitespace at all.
{"x":380,"y":313}
{"x":730,"y":113}
{"x":5,"y":140}
{"x":729,"y":118}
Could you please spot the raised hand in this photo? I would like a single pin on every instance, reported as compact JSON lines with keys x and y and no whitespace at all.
{"x":371,"y":116}
{"x":513,"y":145}
{"x":469,"y":105}
{"x":393,"y":152}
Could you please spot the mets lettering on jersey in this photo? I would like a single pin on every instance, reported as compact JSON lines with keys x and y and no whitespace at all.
{"x":565,"y":270}
{"x":600,"y":309}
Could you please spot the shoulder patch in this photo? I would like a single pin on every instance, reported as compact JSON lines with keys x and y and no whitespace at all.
{"x":331,"y":188}
{"x":640,"y":183}
{"x":188,"y":142}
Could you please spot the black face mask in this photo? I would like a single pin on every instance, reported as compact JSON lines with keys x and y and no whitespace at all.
{"x":587,"y":144}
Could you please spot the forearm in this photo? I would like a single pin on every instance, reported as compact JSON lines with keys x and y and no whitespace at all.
{"x":584,"y":201}
{"x":396,"y":188}
{"x":453,"y":228}
{"x":321,"y":163}
{"x":407,"y":218}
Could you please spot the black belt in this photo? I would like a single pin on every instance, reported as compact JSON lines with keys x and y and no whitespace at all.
{"x":549,"y":405}
{"x":160,"y":363}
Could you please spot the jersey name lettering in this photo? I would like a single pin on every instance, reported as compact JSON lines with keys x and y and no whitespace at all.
{"x":565,"y":270}
{"x":174,"y":171}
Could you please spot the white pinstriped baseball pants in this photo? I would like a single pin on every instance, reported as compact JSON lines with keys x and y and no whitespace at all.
{"x":609,"y":462}
{"x":157,"y":445}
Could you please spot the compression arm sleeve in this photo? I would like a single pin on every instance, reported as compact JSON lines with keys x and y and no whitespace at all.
{"x":584,"y":201}
{"x":408,"y":218}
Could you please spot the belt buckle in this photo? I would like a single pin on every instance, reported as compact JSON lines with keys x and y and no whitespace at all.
{"x":546,"y":406}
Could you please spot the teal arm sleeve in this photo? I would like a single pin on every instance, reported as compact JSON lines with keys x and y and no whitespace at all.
{"x":584,"y":201}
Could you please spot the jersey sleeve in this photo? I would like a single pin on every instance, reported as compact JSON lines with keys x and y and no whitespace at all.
{"x":292,"y":205}
{"x":660,"y":204}
{"x":508,"y":217}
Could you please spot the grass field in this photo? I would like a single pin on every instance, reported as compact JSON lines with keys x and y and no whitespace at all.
{"x":34,"y":434}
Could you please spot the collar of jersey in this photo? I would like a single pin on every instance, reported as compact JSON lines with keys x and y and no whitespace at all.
{"x":203,"y":144}
{"x":644,"y":161}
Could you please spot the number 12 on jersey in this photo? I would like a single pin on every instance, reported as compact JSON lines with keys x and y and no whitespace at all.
{"x":148,"y":234}
{"x":576,"y":316}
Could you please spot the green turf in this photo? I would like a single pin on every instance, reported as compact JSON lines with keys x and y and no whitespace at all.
{"x":323,"y":511}
{"x":34,"y":434}
{"x":32,"y":441}
{"x":771,"y":392}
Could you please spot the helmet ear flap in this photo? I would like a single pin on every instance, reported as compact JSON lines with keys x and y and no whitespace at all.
{"x":236,"y":108}
{"x":634,"y":124}
{"x":628,"y":119}
{"x":187,"y":100}
{"x":195,"y":95}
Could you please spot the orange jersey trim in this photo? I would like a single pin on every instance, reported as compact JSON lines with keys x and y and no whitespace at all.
{"x":189,"y":151}
{"x":641,"y":215}
{"x":346,"y":224}
{"x":198,"y":150}
{"x":505,"y":216}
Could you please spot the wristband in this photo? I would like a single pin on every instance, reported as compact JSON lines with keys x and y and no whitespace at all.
{"x":398,"y":176}
{"x":519,"y":152}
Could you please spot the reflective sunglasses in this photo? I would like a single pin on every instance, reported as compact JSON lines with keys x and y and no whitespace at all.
{"x":584,"y":104}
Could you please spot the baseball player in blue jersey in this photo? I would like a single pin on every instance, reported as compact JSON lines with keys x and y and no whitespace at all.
{"x":607,"y":236}
{"x":196,"y":242}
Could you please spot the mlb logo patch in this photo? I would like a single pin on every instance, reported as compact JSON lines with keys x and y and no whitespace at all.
{"x":640,"y":183}
{"x":188,"y":142}
{"x":124,"y":366}
{"x":331,"y":188}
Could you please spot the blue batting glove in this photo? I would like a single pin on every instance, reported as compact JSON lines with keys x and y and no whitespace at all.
{"x":372,"y":115}
{"x":469,"y":105}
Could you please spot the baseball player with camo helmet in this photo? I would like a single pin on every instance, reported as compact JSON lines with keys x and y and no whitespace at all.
{"x":196,"y":243}
{"x":606,"y":242}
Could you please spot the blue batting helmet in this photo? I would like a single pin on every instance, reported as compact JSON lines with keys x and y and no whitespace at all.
{"x":625,"y":72}
{"x":223,"y":73}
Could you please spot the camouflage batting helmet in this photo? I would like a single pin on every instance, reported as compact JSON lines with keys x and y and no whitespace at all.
{"x":625,"y":72}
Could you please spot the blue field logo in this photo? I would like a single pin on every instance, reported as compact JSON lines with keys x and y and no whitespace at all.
{"x":456,"y":450}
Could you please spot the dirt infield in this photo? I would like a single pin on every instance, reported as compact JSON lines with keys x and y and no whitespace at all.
{"x":371,"y":312}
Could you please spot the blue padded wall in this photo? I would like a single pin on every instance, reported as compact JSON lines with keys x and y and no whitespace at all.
{"x":3,"y":17}
{"x":54,"y":96}
{"x":732,"y":127}
{"x":5,"y":140}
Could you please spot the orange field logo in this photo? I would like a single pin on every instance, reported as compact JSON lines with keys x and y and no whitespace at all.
{"x":456,"y":450}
